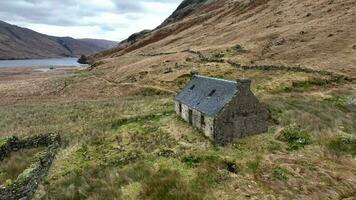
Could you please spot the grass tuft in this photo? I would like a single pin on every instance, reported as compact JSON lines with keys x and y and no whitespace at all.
{"x":343,"y":144}
{"x":281,"y":173}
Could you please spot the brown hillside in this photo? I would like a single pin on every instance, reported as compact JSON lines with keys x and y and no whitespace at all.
{"x":318,"y":34}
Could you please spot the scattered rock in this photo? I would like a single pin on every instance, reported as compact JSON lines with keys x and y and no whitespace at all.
{"x":302,"y":32}
{"x":165,"y":153}
{"x":352,"y":102}
{"x":278,"y":41}
{"x":168,"y":70}
{"x":136,"y":36}
{"x":232,"y":167}
{"x":238,"y":47}
{"x":354,"y":47}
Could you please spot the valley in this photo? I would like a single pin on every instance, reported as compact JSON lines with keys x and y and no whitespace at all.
{"x":121,"y":138}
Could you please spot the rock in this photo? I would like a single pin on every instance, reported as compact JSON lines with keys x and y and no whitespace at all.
{"x":232,"y":167}
{"x":354,"y":47}
{"x":183,"y":10}
{"x":238,"y":47}
{"x":308,"y":15}
{"x":352,"y":102}
{"x":136,"y":36}
{"x":168,"y":70}
{"x":278,"y":41}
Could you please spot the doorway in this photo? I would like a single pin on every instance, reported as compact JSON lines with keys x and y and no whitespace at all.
{"x":190,"y":116}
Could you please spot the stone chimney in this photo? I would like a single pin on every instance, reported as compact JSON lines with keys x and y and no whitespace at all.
{"x":243,"y":84}
{"x":194,"y":72}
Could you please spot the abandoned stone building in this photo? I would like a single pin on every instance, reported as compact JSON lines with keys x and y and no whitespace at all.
{"x":222,"y":109}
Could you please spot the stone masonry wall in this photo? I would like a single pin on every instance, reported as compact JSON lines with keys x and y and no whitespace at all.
{"x":206,"y":128}
{"x":27,"y":182}
{"x":241,"y":117}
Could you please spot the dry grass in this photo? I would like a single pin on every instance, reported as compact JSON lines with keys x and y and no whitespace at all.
{"x":16,"y":163}
{"x":134,"y":147}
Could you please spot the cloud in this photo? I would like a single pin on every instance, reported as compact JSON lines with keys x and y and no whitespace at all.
{"x":106,"y":19}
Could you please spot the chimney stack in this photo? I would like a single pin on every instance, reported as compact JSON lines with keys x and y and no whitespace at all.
{"x":194,"y":72}
{"x":243,"y":84}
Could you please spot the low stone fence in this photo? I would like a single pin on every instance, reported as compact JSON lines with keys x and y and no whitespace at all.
{"x":27,"y":182}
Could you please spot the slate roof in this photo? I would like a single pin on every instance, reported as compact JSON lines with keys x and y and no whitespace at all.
{"x":206,"y":94}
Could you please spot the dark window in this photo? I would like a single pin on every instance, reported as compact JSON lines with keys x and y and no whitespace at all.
{"x":180,"y":108}
{"x":191,"y":88}
{"x":212,"y":93}
{"x":190,"y":113}
{"x":202,"y":120}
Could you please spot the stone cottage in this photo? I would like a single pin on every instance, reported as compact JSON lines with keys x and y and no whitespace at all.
{"x":222,"y":109}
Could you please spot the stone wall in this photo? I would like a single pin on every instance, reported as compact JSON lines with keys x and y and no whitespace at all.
{"x":207,"y":128}
{"x":27,"y":182}
{"x":242,"y":116}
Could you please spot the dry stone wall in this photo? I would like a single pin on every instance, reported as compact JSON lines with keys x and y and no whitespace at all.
{"x":27,"y":182}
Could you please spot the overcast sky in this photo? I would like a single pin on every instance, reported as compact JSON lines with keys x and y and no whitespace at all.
{"x":102,"y":19}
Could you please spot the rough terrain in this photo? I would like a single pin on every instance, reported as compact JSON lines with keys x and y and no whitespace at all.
{"x":122,"y":140}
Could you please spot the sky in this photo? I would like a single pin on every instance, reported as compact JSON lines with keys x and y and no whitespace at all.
{"x":102,"y":19}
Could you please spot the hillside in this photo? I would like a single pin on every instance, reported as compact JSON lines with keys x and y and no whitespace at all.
{"x":317,"y":34}
{"x":21,"y":43}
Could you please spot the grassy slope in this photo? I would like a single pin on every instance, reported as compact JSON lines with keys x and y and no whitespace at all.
{"x":122,"y":140}
{"x":134,"y":147}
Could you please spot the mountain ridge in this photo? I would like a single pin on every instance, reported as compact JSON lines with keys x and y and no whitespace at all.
{"x":23,"y":43}
{"x":308,"y":33}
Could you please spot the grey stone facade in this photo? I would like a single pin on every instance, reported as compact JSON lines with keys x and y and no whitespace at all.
{"x":222,"y":109}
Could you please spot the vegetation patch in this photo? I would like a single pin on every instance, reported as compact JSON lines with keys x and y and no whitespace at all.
{"x":139,"y":119}
{"x":254,"y":165}
{"x":191,"y":160}
{"x":151,"y":91}
{"x":281,"y":173}
{"x":343,"y":144}
{"x":295,"y":137}
{"x":300,"y":86}
{"x":166,"y":184}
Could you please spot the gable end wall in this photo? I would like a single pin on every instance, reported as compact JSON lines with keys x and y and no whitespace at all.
{"x":242,"y":116}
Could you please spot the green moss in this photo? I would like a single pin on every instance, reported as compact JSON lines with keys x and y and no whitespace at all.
{"x":2,"y":141}
{"x":191,"y":160}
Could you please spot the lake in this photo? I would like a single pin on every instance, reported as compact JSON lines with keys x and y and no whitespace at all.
{"x":51,"y":62}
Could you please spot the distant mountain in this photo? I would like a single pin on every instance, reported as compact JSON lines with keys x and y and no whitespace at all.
{"x":102,"y":44}
{"x":23,"y":43}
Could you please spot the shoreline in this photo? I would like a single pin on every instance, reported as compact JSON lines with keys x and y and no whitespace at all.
{"x":11,"y":59}
{"x":41,"y":63}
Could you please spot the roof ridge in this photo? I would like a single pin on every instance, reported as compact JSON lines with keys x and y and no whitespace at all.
{"x":213,"y":78}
